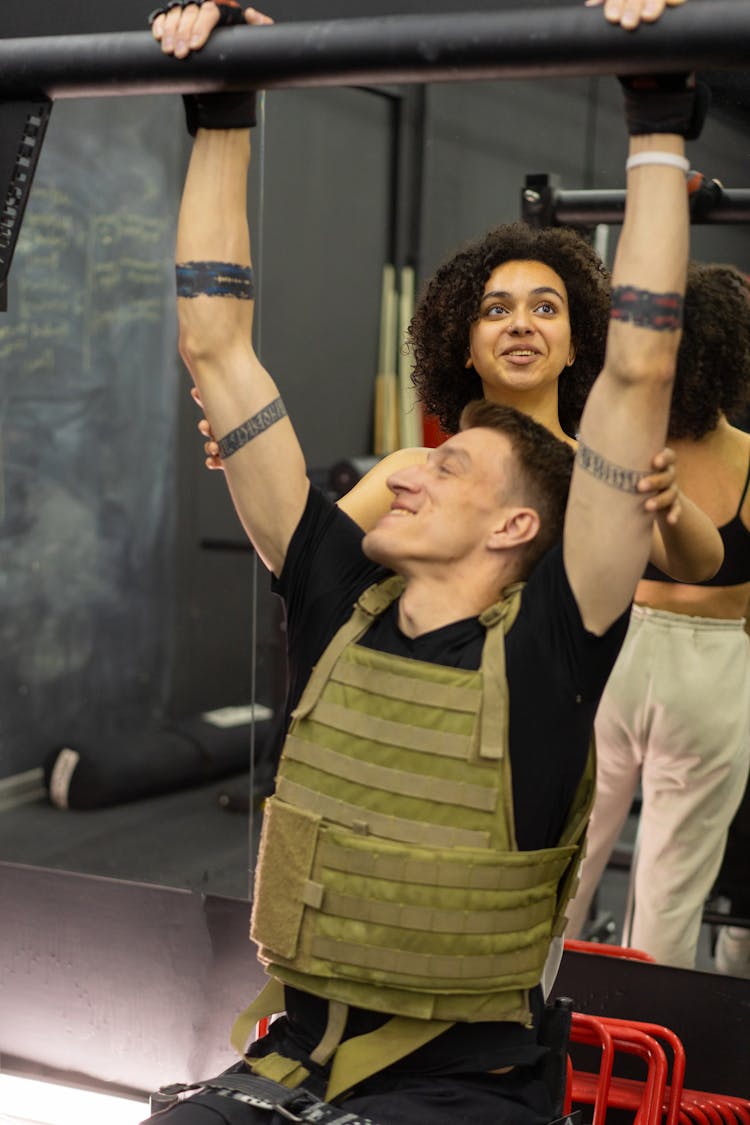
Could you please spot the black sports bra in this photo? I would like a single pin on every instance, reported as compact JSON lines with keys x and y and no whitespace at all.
{"x":735,"y":570}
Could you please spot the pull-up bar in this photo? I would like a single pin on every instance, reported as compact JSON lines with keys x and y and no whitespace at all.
{"x":544,"y":203}
{"x":527,"y":43}
{"x":576,"y":208}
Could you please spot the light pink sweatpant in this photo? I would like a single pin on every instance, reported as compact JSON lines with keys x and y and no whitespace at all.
{"x":676,"y":716}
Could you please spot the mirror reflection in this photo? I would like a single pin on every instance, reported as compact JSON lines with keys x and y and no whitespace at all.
{"x":144,"y":665}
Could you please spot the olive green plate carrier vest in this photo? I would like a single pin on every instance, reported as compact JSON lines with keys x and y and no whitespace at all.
{"x":389,"y":877}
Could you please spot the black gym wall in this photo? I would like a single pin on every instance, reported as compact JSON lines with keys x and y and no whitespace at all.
{"x":126,"y":589}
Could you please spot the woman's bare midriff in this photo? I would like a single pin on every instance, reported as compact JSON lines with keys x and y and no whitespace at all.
{"x":726,"y":603}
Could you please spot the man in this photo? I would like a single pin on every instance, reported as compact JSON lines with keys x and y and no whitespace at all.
{"x":433,"y":790}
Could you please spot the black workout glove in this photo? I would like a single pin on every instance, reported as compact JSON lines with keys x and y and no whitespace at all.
{"x":665,"y":103}
{"x":234,"y":110}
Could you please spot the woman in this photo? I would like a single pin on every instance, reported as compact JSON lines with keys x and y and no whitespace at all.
{"x":520,"y":317}
{"x":676,"y":712}
{"x":451,"y":330}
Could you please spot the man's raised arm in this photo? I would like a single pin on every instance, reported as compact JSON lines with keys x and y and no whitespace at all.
{"x":607,"y":530}
{"x":263,"y":460}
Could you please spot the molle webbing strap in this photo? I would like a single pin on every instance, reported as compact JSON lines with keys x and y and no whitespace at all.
{"x":446,"y":696}
{"x":431,"y":919}
{"x":374,"y":601}
{"x":462,"y":967}
{"x":380,"y":824}
{"x":425,"y":741}
{"x":517,"y":873}
{"x":442,"y":790}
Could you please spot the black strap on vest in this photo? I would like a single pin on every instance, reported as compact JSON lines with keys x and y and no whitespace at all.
{"x":297,"y":1105}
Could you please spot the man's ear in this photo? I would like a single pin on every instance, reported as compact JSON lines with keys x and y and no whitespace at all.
{"x":517,"y":526}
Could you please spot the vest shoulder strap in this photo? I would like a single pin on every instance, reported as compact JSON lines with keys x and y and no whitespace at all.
{"x":370,"y":604}
{"x":376,"y":598}
{"x":497,"y":620}
{"x":504,"y":611}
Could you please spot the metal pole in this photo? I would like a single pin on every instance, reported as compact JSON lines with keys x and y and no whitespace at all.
{"x":587,"y":208}
{"x":526,"y":43}
{"x":545,"y":204}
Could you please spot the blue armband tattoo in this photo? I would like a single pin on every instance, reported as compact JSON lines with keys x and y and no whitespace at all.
{"x":215,"y":279}
{"x":250,"y":429}
{"x":625,"y":480}
{"x":661,"y":312}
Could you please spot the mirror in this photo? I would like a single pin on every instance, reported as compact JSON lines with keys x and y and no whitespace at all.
{"x":128,"y":594}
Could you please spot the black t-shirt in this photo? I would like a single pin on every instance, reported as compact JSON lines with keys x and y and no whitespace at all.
{"x":556,"y":673}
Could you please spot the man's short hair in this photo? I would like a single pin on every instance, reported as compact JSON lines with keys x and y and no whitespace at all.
{"x":543,"y":465}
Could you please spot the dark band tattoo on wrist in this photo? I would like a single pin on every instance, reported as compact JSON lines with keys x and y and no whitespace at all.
{"x":625,"y":480}
{"x":215,"y":279}
{"x":259,"y":422}
{"x":661,"y":312}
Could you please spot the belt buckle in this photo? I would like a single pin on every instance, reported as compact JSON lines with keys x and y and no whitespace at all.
{"x":280,"y":1109}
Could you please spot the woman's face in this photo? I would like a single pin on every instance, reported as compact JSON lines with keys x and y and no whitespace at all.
{"x":521,"y":341}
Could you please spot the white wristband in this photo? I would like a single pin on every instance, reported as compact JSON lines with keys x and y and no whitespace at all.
{"x":670,"y":158}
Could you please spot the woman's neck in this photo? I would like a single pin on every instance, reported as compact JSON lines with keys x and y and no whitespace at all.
{"x":538,"y":403}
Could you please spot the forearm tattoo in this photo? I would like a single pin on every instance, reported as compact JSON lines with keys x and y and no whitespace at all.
{"x":661,"y":312}
{"x":215,"y":279}
{"x":626,"y":480}
{"x":250,"y":429}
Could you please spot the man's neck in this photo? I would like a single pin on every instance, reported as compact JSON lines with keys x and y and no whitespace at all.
{"x":428,"y":604}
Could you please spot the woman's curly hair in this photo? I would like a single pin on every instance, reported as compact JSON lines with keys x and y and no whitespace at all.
{"x":439,"y":331}
{"x":713,"y":363}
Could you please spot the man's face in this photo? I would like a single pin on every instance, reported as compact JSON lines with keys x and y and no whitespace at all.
{"x":444,"y":511}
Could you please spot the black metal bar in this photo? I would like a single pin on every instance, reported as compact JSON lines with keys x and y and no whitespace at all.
{"x":543,"y":203}
{"x":408,"y":177}
{"x":526,"y":43}
{"x":22,"y":127}
{"x":587,"y":208}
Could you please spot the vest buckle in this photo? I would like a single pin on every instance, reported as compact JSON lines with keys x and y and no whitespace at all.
{"x":283,"y":1112}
